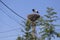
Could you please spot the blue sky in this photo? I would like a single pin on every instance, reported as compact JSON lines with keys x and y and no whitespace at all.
{"x":23,"y":8}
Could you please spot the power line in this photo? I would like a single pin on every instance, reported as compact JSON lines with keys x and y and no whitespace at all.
{"x":7,"y":14}
{"x":11,"y":17}
{"x":10,"y":30}
{"x":8,"y":36}
{"x":12,"y":10}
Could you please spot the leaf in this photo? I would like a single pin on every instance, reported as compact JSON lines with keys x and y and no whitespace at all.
{"x":49,"y":9}
{"x":44,"y":36}
{"x":53,"y":13}
{"x":50,"y":20}
{"x":41,"y":32}
{"x":28,"y":25}
{"x":47,"y":16}
{"x":54,"y":17}
{"x":19,"y":38}
{"x":56,"y":25}
{"x":58,"y":34}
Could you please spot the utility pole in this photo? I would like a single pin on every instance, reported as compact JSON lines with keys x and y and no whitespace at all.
{"x":33,"y":17}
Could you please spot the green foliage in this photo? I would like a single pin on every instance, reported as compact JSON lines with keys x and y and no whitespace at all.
{"x":19,"y":38}
{"x":58,"y":34}
{"x":28,"y":25}
{"x":49,"y":27}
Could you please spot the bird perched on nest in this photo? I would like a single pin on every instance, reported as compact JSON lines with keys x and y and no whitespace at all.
{"x":35,"y":11}
{"x":33,"y":17}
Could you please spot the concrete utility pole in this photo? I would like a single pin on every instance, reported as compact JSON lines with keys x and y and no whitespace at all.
{"x":33,"y":17}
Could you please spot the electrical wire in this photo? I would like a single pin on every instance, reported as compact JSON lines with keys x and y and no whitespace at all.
{"x":10,"y":30}
{"x":8,"y":36}
{"x":11,"y":17}
{"x":12,"y":10}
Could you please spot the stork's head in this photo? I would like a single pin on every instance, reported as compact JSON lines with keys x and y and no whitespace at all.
{"x":35,"y":11}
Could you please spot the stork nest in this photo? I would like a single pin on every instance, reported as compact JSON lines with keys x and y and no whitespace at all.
{"x":33,"y":17}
